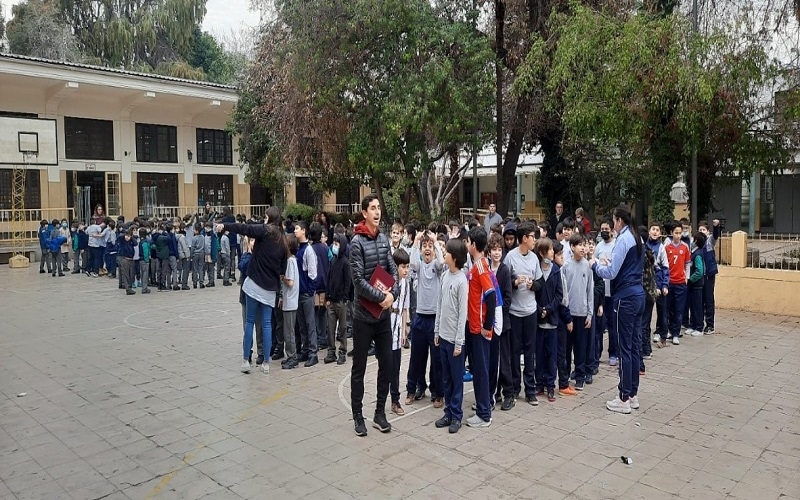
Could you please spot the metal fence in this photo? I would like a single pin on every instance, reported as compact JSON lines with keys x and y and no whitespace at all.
{"x":774,"y":251}
{"x":32,"y":216}
{"x":166,"y":212}
{"x":342,"y":208}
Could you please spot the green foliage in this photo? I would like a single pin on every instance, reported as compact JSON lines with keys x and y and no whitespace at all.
{"x":376,"y":89}
{"x":298,"y":211}
{"x":36,"y":30}
{"x":217,"y":64}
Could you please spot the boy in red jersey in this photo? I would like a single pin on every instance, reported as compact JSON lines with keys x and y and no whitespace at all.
{"x":679,"y":257}
{"x":480,"y":318}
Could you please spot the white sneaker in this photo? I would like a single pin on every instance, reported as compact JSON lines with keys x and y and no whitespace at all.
{"x":676,"y":341}
{"x":688,"y":331}
{"x":476,"y":421}
{"x":656,"y":338}
{"x":265,"y":367}
{"x":634,"y":401}
{"x":619,"y":406}
{"x":648,"y":356}
{"x":696,"y":333}
{"x":245,"y":366}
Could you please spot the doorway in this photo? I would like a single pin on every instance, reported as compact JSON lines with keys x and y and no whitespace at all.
{"x":90,"y":188}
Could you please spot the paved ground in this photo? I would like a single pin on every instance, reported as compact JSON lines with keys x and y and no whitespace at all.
{"x":140,"y":397}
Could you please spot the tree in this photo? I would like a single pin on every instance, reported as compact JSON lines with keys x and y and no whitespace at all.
{"x":36,"y":30}
{"x":644,"y":88}
{"x":374,"y":90}
{"x":127,"y":33}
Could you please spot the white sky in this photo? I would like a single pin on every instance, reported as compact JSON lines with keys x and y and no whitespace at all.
{"x":222,"y":16}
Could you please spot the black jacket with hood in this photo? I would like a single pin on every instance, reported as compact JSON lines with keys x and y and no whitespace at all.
{"x":339,"y":277}
{"x":367,"y":251}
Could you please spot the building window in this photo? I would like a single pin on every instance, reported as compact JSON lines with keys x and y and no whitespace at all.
{"x":305,"y":194}
{"x":32,"y":197}
{"x":156,"y":190}
{"x":215,"y":189}
{"x":88,"y":139}
{"x":156,"y":143}
{"x":214,"y":147}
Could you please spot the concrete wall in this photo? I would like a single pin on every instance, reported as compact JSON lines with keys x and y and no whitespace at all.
{"x":768,"y":291}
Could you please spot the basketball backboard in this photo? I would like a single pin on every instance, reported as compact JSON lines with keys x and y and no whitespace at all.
{"x":30,"y":141}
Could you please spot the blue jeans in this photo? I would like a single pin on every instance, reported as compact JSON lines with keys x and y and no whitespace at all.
{"x":452,"y":379}
{"x":252,"y":309}
{"x":676,"y":301}
{"x":629,"y":330}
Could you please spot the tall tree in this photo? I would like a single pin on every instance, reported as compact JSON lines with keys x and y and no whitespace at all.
{"x":36,"y":29}
{"x":378,"y":90}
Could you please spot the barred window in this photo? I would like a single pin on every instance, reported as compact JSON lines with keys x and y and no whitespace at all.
{"x":156,"y":143}
{"x":214,"y":147}
{"x":88,"y":139}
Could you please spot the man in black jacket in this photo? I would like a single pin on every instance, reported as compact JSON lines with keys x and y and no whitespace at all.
{"x":368,"y":250}
{"x":556,"y":219}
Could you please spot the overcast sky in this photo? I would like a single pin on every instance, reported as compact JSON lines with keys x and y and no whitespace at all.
{"x":221,"y":15}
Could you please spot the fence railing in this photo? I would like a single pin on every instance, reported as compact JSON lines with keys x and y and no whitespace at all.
{"x":774,"y":251}
{"x":342,"y":208}
{"x":31,"y":216}
{"x":467,"y":213}
{"x":161,"y":212}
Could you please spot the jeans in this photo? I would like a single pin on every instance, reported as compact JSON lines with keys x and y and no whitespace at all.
{"x":480,"y":375}
{"x":677,"y":303}
{"x":258,"y":326}
{"x":452,"y":379}
{"x":308,"y":325}
{"x":254,"y":308}
{"x":363,"y":335}
{"x":546,"y":357}
{"x":628,"y":327}
{"x":337,"y":322}
{"x":708,"y":300}
{"x":422,"y":345}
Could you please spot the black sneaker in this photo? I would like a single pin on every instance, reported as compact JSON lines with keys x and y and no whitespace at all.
{"x":443,"y":422}
{"x":380,"y":423}
{"x":303,"y":358}
{"x":311,"y":362}
{"x":551,"y":395}
{"x":595,"y":371}
{"x":342,"y":359}
{"x":532,"y":400}
{"x":289,"y":364}
{"x":184,"y":287}
{"x":361,"y":429}
{"x":371,"y":351}
{"x":589,"y":379}
{"x":210,"y":285}
{"x":419,"y":394}
{"x":194,"y":285}
{"x":277,"y":355}
{"x":455,"y":425}
{"x":350,"y":353}
{"x":330,"y":358}
{"x":508,"y":403}
{"x":202,"y":286}
{"x":579,"y":386}
{"x":176,"y":288}
{"x":130,"y":292}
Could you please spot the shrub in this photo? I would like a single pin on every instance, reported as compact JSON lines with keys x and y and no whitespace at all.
{"x":299,"y":211}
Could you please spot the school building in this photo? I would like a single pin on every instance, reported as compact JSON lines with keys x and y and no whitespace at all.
{"x":137,"y":144}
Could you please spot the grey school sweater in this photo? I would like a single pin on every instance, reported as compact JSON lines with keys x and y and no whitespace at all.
{"x":580,"y":287}
{"x":451,"y":313}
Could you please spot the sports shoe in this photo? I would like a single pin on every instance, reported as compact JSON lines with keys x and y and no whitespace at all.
{"x":551,"y":395}
{"x":438,"y":403}
{"x":589,"y":379}
{"x":445,"y":421}
{"x":289,"y":363}
{"x":656,"y":338}
{"x":311,"y":362}
{"x":612,"y":361}
{"x":567,"y":391}
{"x":360,"y":428}
{"x":245,"y":367}
{"x":455,"y":425}
{"x":380,"y":423}
{"x":476,"y":421}
{"x":709,"y":331}
{"x":419,"y":394}
{"x":342,"y":359}
{"x":634,"y":401}
{"x":694,"y":333}
{"x":648,"y":356}
{"x":619,"y":406}
{"x":579,"y":386}
{"x":676,"y":341}
{"x":475,"y":406}
{"x":467,"y":378}
{"x":397,"y":409}
{"x":508,"y":403}
{"x":265,"y":368}
{"x":330,"y":358}
{"x":531,"y":401}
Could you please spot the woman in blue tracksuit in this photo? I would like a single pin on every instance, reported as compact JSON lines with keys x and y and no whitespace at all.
{"x":627,"y":296}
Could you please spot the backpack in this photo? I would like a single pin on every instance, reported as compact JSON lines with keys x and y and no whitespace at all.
{"x":649,"y":274}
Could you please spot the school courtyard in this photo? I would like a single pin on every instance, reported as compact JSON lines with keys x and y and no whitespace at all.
{"x":108,"y":396}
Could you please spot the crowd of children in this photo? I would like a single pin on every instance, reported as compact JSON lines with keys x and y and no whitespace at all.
{"x":508,"y":309}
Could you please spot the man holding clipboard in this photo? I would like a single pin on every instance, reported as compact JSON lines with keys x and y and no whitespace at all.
{"x":375,"y":283}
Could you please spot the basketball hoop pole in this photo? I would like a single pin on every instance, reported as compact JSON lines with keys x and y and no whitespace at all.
{"x":19,"y":260}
